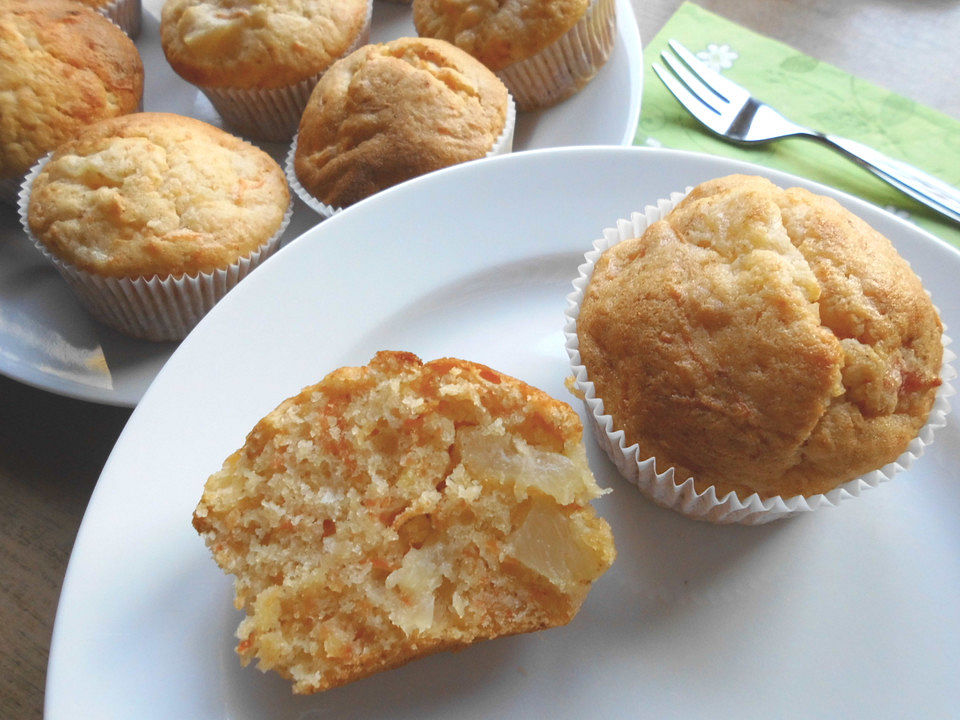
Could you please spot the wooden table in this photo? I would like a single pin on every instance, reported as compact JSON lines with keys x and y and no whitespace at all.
{"x":52,"y":449}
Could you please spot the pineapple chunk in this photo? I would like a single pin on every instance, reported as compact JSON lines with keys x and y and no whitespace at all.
{"x":551,"y":544}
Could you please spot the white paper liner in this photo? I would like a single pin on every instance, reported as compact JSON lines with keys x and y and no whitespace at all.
{"x":683,"y":497}
{"x":124,"y":13}
{"x":501,"y":146}
{"x":272,"y":114}
{"x":158,"y":308}
{"x":566,"y":65}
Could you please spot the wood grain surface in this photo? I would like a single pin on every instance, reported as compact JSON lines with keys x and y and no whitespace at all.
{"x":52,"y":449}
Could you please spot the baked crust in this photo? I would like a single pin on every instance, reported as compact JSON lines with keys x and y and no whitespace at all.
{"x":62,"y":67}
{"x":390,"y":112}
{"x":761,"y":340}
{"x":156,"y":194}
{"x":264,"y":44}
{"x":97,"y":4}
{"x":398,"y":509}
{"x":498,"y":33}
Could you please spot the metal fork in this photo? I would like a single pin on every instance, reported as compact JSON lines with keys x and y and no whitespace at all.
{"x":731,"y":112}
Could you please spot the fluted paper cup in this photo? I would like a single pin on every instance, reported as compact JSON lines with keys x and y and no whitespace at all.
{"x":125,"y":13}
{"x":566,"y":65}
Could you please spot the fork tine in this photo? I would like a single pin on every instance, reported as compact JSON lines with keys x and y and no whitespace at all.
{"x":707,"y":96}
{"x":699,"y":109}
{"x":726,"y":89}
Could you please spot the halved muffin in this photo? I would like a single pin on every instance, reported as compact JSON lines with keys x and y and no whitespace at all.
{"x":401,"y":508}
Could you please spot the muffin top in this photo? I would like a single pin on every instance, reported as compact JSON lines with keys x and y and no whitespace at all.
{"x":62,"y":67}
{"x":390,"y":112}
{"x":761,"y":340}
{"x":156,"y":194}
{"x":400,"y":508}
{"x":498,"y":33}
{"x":258,"y":43}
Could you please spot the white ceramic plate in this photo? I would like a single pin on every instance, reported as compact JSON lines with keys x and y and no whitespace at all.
{"x":847,"y":612}
{"x":46,"y":338}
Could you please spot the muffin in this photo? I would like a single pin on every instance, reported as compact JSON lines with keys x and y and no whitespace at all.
{"x":390,"y":112}
{"x":543,"y":50}
{"x":125,"y":13}
{"x":62,"y":67}
{"x":398,"y":509}
{"x":759,"y":341}
{"x":258,"y":60}
{"x":152,"y":217}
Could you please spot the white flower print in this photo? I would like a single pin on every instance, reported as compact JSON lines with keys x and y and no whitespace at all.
{"x":718,"y":57}
{"x":898,"y":211}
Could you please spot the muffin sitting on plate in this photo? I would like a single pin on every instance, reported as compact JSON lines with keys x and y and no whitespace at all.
{"x":153,"y":217}
{"x":760,"y":341}
{"x":258,"y":60}
{"x":543,"y":50}
{"x":391,"y":112}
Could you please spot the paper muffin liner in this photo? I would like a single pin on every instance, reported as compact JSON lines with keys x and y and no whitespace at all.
{"x":124,"y":13}
{"x":501,"y":146}
{"x":156,"y":308}
{"x":661,"y":487}
{"x":272,"y":114}
{"x":566,"y":65}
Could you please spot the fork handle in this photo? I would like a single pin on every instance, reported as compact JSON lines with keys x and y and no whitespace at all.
{"x":929,"y":190}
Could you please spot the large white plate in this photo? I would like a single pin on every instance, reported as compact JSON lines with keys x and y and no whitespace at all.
{"x":46,"y":338}
{"x":847,"y":612}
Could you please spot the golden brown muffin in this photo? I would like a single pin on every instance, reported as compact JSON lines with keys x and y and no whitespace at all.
{"x":62,"y":67}
{"x":398,"y":509}
{"x":543,"y":50}
{"x":258,"y":44}
{"x":390,"y":112}
{"x":761,"y":340}
{"x":498,"y":33}
{"x":156,"y":194}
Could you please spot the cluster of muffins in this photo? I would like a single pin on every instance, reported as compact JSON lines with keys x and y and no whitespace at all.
{"x":361,"y":118}
{"x":390,"y":112}
{"x":366,"y":117}
{"x":150,"y":217}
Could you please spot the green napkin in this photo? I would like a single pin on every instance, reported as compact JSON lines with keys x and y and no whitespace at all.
{"x":811,"y":93}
